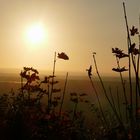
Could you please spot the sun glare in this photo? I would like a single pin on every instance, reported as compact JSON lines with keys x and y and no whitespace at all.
{"x":36,"y":34}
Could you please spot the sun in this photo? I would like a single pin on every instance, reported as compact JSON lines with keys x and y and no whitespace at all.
{"x":35,"y":34}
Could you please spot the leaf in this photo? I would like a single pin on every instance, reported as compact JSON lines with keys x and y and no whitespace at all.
{"x":117,"y":51}
{"x":136,"y":51}
{"x":133,"y":31}
{"x":89,"y":71}
{"x":34,"y":70}
{"x":132,"y":47}
{"x":24,"y":75}
{"x":34,"y":77}
{"x":26,"y":68}
{"x":120,"y":69}
{"x":63,"y":56}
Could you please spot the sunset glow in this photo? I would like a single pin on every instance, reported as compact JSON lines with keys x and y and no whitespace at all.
{"x":35,"y":34}
{"x":38,"y":29}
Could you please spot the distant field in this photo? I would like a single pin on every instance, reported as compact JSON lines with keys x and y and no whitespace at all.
{"x":78,"y":84}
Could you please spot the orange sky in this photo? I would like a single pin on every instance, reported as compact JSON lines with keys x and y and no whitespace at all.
{"x":76,"y":27}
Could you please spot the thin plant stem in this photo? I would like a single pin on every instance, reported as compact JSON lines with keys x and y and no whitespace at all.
{"x":52,"y":79}
{"x":129,"y":39}
{"x":105,"y":93}
{"x":136,"y":109}
{"x":130,"y":77}
{"x":74,"y":111}
{"x":113,"y":102}
{"x":123,"y":86}
{"x":118,"y":101}
{"x":21,"y":83}
{"x":139,"y":49}
{"x":48,"y":93}
{"x":29,"y":93}
{"x":132,"y":55}
{"x":135,"y":68}
{"x":99,"y":103}
{"x":63,"y":95}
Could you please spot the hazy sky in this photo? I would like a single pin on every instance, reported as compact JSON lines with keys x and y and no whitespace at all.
{"x":76,"y":27}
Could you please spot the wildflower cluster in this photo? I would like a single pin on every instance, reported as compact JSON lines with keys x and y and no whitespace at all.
{"x":119,"y":55}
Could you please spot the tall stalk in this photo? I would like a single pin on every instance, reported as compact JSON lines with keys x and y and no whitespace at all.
{"x":118,"y":101}
{"x":124,"y":91}
{"x":74,"y":110}
{"x":99,"y":103}
{"x":139,"y":49}
{"x":132,"y":55}
{"x":105,"y":93}
{"x":130,"y":78}
{"x":136,"y":110}
{"x":48,"y":87}
{"x":53,"y":75}
{"x":21,"y":83}
{"x":63,"y":95}
{"x":135,"y":69}
{"x":113,"y":102}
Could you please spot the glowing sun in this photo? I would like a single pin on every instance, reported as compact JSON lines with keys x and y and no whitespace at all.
{"x":36,"y":34}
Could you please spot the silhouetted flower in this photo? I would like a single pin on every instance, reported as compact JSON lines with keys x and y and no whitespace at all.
{"x":34,"y":77}
{"x":63,"y":56}
{"x":131,"y":49}
{"x":34,"y":70}
{"x":122,"y":55}
{"x":26,"y":68}
{"x":117,"y":51}
{"x":24,"y":75}
{"x":89,"y":71}
{"x":134,"y":31}
{"x":28,"y":76}
{"x":30,"y":69}
{"x":120,"y":69}
{"x":136,"y":51}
